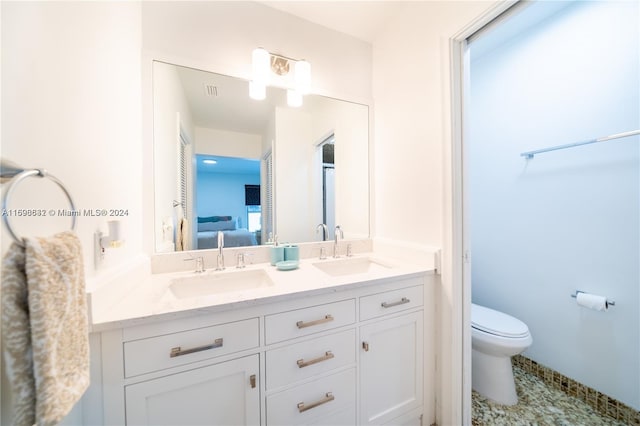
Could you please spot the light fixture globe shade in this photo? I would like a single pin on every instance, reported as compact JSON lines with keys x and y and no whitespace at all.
{"x":261,"y":66}
{"x":303,"y":77}
{"x":257,"y":91}
{"x":294,"y":98}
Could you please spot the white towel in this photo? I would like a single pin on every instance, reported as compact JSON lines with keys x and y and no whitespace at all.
{"x":45,"y":327}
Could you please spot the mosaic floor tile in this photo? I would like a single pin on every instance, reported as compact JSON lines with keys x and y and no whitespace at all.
{"x":538,"y":405}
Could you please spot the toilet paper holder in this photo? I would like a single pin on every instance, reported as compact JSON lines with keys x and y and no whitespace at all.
{"x":609,"y":302}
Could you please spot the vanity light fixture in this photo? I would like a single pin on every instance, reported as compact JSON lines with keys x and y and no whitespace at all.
{"x":265,"y":63}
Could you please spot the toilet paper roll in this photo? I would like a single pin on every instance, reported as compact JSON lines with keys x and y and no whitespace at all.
{"x":592,"y":301}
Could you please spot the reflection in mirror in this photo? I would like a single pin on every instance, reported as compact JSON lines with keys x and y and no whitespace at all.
{"x":227,"y":199}
{"x":253,"y":169}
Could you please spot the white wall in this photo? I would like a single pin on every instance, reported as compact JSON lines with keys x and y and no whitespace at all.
{"x":412,"y":171}
{"x":565,"y":220}
{"x":223,"y":194}
{"x":228,"y":144}
{"x":71,"y":104}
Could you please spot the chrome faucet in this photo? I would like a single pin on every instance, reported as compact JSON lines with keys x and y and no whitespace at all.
{"x":325,"y":231}
{"x":220,"y":264}
{"x":338,"y":231}
{"x":199,"y":263}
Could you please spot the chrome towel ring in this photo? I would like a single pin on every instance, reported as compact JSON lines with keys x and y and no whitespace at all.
{"x":15,"y":181}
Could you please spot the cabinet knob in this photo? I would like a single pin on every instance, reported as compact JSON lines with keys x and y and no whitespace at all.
{"x":365,"y":346}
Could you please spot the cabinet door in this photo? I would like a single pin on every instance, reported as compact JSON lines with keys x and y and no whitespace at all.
{"x":220,"y":394}
{"x":391,"y":360}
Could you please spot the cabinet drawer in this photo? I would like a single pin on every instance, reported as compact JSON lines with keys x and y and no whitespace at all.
{"x":306,"y":403}
{"x":305,"y":359}
{"x":390,"y":301}
{"x":171,"y":350}
{"x":302,"y":322}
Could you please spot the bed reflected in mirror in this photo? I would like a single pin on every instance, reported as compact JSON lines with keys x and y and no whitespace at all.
{"x":227,"y":200}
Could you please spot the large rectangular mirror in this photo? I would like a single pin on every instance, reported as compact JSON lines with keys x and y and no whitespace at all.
{"x":250,"y":169}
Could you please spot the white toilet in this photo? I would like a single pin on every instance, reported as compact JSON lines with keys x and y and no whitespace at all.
{"x":495,"y":338}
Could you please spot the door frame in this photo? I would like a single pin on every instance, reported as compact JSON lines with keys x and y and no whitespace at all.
{"x":457,"y":216}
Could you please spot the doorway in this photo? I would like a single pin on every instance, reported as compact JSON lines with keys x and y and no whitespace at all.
{"x":327,"y":148}
{"x":556,"y":197}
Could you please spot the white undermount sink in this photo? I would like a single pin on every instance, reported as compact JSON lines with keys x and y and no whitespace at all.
{"x":349,"y":266}
{"x":207,"y":283}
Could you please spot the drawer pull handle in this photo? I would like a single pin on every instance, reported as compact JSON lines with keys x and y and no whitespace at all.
{"x":365,"y":346}
{"x":252,"y":381}
{"x":327,"y":398}
{"x":399,"y":302}
{"x":178,"y":351}
{"x":302,"y":324}
{"x":302,"y":363}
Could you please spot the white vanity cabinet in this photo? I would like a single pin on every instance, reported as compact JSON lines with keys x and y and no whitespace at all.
{"x":194,"y":371}
{"x":219,"y":394}
{"x":391,"y":359}
{"x":346,"y":357}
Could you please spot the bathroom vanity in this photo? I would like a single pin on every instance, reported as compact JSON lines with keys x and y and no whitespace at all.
{"x":309,"y":346}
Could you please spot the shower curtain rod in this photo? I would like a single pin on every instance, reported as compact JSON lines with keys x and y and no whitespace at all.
{"x":529,"y":154}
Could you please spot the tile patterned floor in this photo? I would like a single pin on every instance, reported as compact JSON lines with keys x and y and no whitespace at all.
{"x":538,"y":405}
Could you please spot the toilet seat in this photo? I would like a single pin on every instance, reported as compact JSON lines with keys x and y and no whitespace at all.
{"x":497,"y":323}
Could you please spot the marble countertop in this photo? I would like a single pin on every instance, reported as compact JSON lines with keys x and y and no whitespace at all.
{"x":136,"y":296}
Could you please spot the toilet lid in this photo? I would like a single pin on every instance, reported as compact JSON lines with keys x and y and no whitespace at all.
{"x":495,"y":322}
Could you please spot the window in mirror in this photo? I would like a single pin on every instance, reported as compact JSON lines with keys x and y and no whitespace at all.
{"x":254,"y":219}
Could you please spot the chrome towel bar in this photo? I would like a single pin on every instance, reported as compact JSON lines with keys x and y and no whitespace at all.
{"x":530,"y":154}
{"x":18,"y":175}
